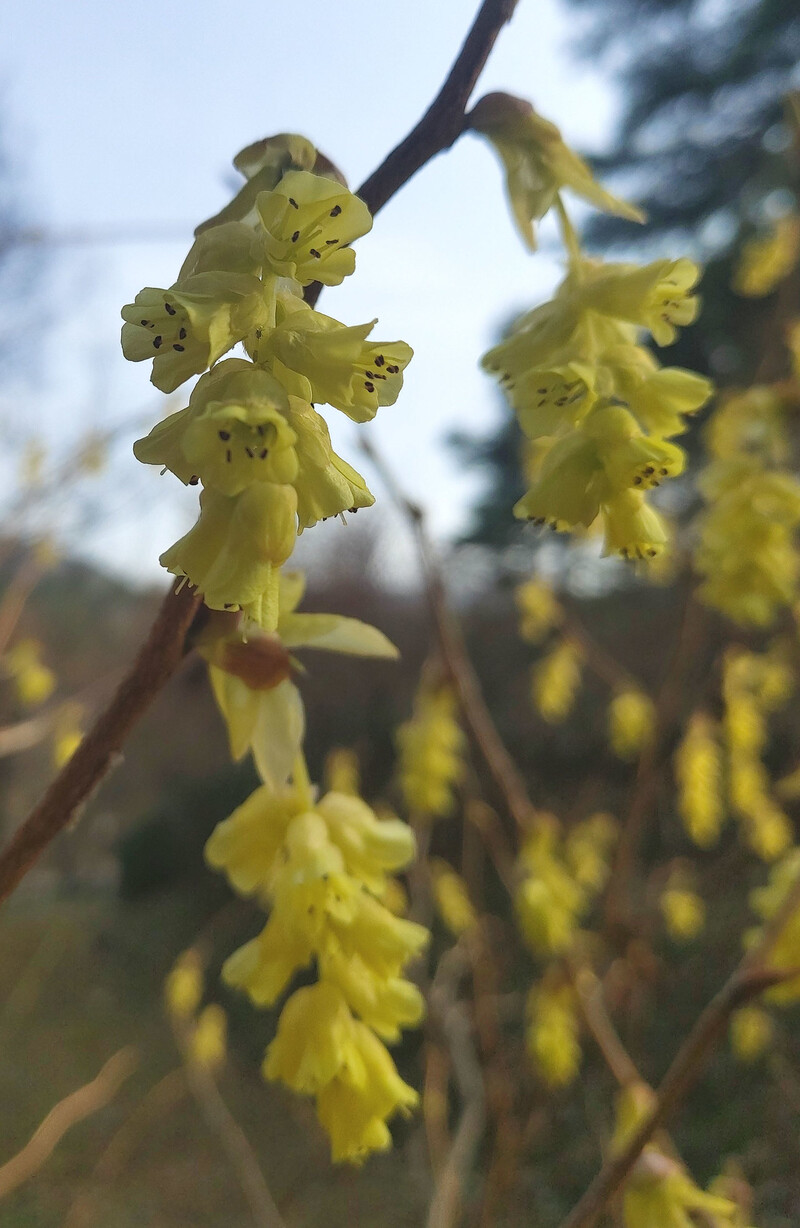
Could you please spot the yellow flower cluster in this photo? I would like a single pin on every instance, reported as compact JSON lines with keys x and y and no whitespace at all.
{"x":322,"y":868}
{"x":753,"y":685}
{"x":765,"y":902}
{"x":659,"y":1191}
{"x":552,"y":1036}
{"x":631,"y":721}
{"x":558,"y":878}
{"x":250,"y":434}
{"x":203,"y":1036}
{"x":594,"y":402}
{"x":751,"y":1031}
{"x":431,"y":748}
{"x":698,"y":773}
{"x":555,"y":681}
{"x":34,"y":681}
{"x":747,"y":549}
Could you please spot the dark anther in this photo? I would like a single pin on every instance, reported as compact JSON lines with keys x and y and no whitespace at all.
{"x":313,"y":252}
{"x":295,"y":236}
{"x":331,"y":242}
{"x":258,"y":334}
{"x":369,"y":387}
{"x":392,"y":369}
{"x":224,"y":436}
{"x":143,"y":323}
{"x":637,"y":481}
{"x":649,"y":470}
{"x":179,"y":348}
{"x":182,"y":335}
{"x":250,"y":453}
{"x":293,"y":203}
{"x":229,"y":456}
{"x":380,"y":360}
{"x":664,"y":472}
{"x":193,"y":480}
{"x":336,"y":210}
{"x":352,"y":510}
{"x":170,"y":310}
{"x":157,"y":341}
{"x":542,"y":392}
{"x":263,"y":453}
{"x":370,"y":375}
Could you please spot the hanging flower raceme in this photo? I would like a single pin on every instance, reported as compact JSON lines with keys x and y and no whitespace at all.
{"x":595,"y":402}
{"x":549,"y":900}
{"x":753,"y":685}
{"x":539,"y":610}
{"x":683,"y":910}
{"x":431,"y":750}
{"x":322,"y":868}
{"x":785,"y":952}
{"x":555,"y":681}
{"x":250,"y":434}
{"x":587,"y":851}
{"x":552,"y":1036}
{"x":698,"y":773}
{"x":747,"y":537}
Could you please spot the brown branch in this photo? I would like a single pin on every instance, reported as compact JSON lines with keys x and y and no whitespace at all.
{"x":437,"y":130}
{"x":157,"y":661}
{"x":748,"y":980}
{"x":477,"y":717}
{"x":443,"y":122}
{"x":72,"y":1109}
{"x":589,"y":992}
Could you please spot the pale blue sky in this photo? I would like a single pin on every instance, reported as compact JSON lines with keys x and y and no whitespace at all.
{"x":125,"y":118}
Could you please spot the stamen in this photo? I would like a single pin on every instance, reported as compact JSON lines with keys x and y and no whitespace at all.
{"x":335,"y":211}
{"x":170,"y":310}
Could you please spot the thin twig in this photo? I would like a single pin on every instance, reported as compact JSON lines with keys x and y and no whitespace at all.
{"x":443,"y":122}
{"x":477,"y":717}
{"x":456,"y":1025}
{"x":157,"y":661}
{"x":589,"y":992}
{"x":436,"y":131}
{"x":72,"y":1109}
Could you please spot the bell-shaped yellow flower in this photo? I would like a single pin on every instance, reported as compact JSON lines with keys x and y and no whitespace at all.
{"x":233,"y":552}
{"x":767,"y":260}
{"x":539,"y":610}
{"x":431,"y":747}
{"x":552,"y":1035}
{"x":314,"y":1039}
{"x":308,"y":221}
{"x":698,"y":771}
{"x":631,"y":718}
{"x":538,"y":163}
{"x":633,"y":529}
{"x":587,"y":851}
{"x":326,"y":485}
{"x":451,"y":896}
{"x":655,"y":296}
{"x":187,"y":328}
{"x":555,"y":682}
{"x":659,"y":397}
{"x":384,"y":1003}
{"x":207,"y":1045}
{"x":342,"y":367}
{"x":246,"y":845}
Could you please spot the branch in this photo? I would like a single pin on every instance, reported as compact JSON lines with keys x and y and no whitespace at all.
{"x":436,"y":131}
{"x":157,"y":661}
{"x":748,"y":980}
{"x":443,"y":122}
{"x":477,"y":717}
{"x":72,"y":1109}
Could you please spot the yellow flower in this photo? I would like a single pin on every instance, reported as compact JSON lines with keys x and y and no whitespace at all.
{"x":246,"y":845}
{"x":183,"y":988}
{"x":207,"y":1040}
{"x":552,"y":1036}
{"x":34,"y":682}
{"x":384,"y":1003}
{"x":698,"y":770}
{"x":631,"y":717}
{"x":308,"y":222}
{"x":548,"y":901}
{"x":684,"y":912}
{"x":342,"y":368}
{"x":765,"y":902}
{"x":767,"y":260}
{"x":751,"y":1032}
{"x":233,"y":553}
{"x":342,"y":774}
{"x":187,"y":328}
{"x":451,"y":897}
{"x":539,"y":610}
{"x":633,"y":529}
{"x":655,"y":296}
{"x":538,"y":163}
{"x":659,"y":397}
{"x":555,"y":682}
{"x":263,"y":164}
{"x":658,"y":1194}
{"x":315,"y":1039}
{"x":587,"y":851}
{"x":431,"y":747}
